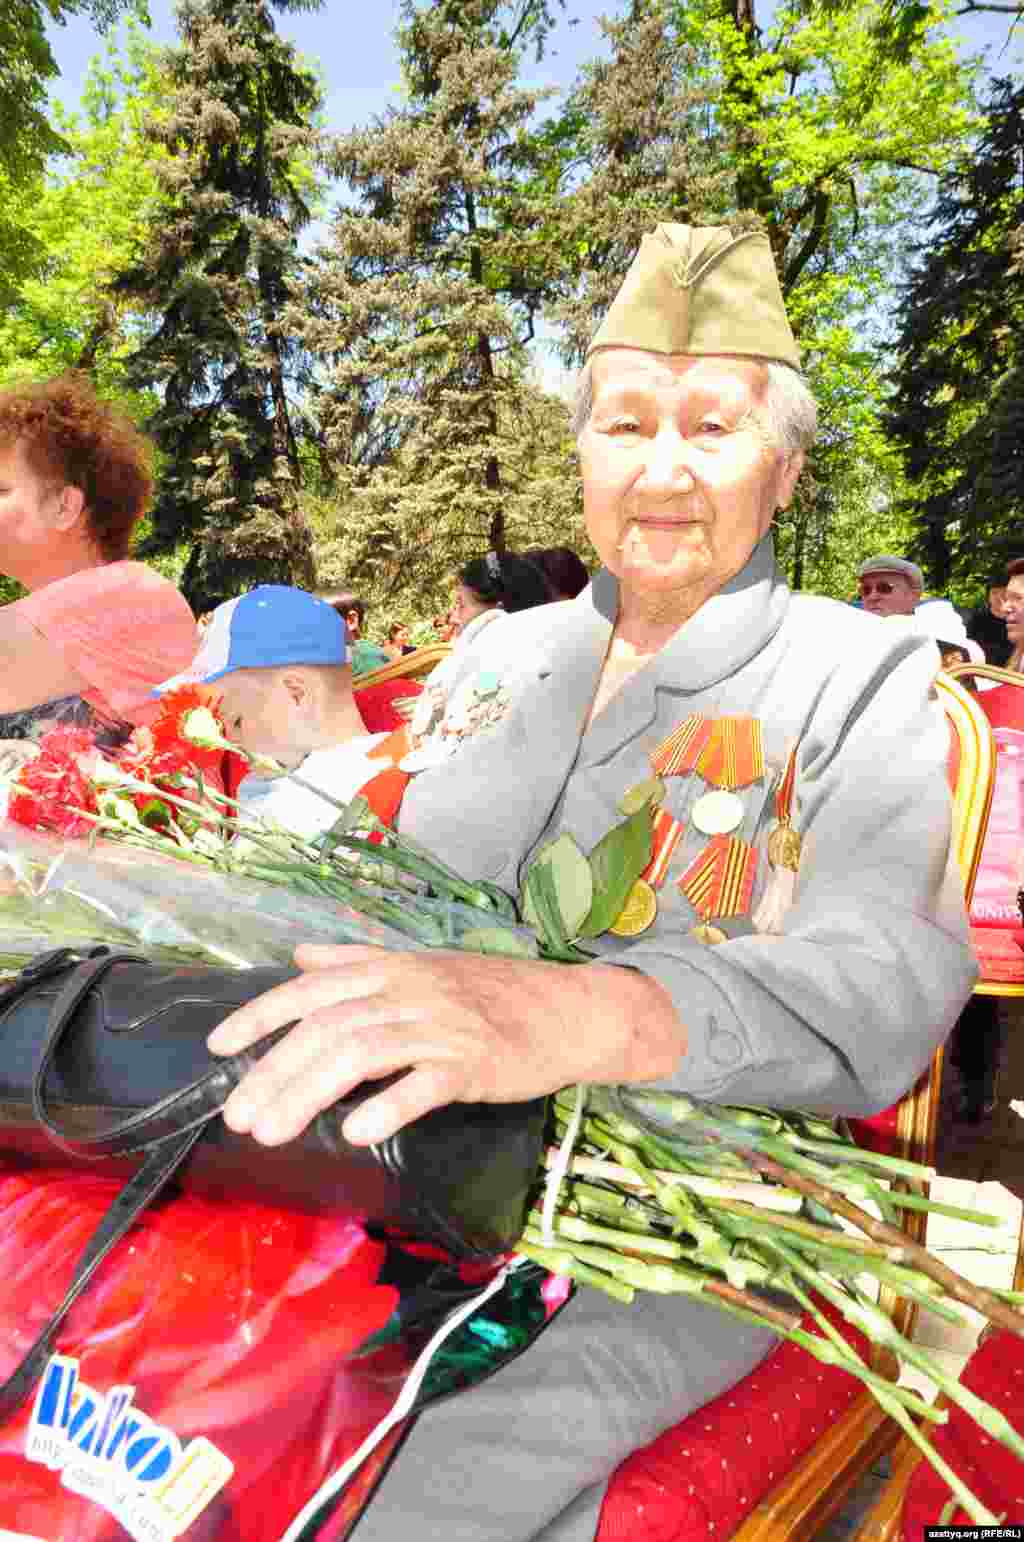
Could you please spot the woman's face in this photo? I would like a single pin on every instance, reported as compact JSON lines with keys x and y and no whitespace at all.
{"x":1013,"y":609}
{"x":465,"y":606}
{"x":29,"y":509}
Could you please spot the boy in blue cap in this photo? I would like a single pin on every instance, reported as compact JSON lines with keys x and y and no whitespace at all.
{"x":280,"y":660}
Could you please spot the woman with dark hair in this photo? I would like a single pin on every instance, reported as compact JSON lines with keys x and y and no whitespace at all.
{"x":96,"y":631}
{"x":1013,"y":613}
{"x":498,"y":584}
{"x":564,"y":571}
{"x":486,"y":589}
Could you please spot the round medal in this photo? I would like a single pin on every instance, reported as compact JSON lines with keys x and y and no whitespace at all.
{"x":784,"y":848}
{"x":705,"y":932}
{"x":717,"y":813}
{"x":639,"y":911}
{"x":651,"y":791}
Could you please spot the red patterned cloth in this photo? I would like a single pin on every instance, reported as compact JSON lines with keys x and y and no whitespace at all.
{"x":376,"y":703}
{"x":994,"y":1372}
{"x":698,"y":1480}
{"x":999,"y":953}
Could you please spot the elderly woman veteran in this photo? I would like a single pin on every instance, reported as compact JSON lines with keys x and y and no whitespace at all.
{"x":688,"y":654}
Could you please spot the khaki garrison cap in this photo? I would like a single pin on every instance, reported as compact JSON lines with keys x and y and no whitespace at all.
{"x":701,"y":290}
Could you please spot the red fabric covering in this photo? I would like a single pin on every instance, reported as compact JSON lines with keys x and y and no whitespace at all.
{"x":994,"y":1372}
{"x":999,"y":953}
{"x":376,"y":703}
{"x":878,"y":1133}
{"x":698,"y":1480}
{"x":241,"y":1325}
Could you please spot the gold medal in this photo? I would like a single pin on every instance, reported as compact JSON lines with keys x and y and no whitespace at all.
{"x":717,"y":813}
{"x":784,"y":847}
{"x":639,"y":911}
{"x":651,"y":791}
{"x":709,"y":934}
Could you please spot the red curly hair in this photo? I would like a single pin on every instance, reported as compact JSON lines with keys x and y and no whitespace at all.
{"x":68,"y":435}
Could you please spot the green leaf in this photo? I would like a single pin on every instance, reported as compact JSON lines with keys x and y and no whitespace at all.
{"x":616,"y":862}
{"x":562,"y":864}
{"x":497,"y":940}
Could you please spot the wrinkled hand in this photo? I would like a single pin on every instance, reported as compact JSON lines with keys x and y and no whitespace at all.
{"x":464,"y":1029}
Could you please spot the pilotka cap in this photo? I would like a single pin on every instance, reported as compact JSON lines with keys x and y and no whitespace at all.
{"x":701,"y":290}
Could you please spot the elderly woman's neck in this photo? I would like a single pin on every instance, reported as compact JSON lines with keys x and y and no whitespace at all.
{"x":53,"y":561}
{"x":647,"y":621}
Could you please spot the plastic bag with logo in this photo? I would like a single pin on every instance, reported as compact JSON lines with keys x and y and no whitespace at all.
{"x":227,"y":1360}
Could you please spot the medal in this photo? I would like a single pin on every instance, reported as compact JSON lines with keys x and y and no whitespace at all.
{"x":784,"y":847}
{"x":721,"y":880}
{"x":784,"y":843}
{"x":651,"y":791}
{"x":638,"y":913}
{"x":734,"y":754}
{"x":666,"y":833}
{"x":679,"y":753}
{"x":717,"y":813}
{"x":706,"y":933}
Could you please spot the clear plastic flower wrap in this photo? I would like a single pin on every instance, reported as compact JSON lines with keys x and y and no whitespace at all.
{"x":70,"y":893}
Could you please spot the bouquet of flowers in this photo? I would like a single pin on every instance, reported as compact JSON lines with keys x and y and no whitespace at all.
{"x":763,"y":1214}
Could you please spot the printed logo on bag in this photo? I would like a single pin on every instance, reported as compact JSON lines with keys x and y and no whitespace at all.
{"x":109,"y":1452}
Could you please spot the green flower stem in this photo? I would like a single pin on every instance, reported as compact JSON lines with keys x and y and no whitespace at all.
{"x":579,"y":1230}
{"x":562,"y":1262}
{"x":410,"y":862}
{"x":976,"y":1296}
{"x":865,"y":1315}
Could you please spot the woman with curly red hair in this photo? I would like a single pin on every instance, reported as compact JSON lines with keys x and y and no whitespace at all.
{"x":95,"y":632}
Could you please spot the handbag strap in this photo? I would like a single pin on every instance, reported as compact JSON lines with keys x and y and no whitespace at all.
{"x":137,"y":1194}
{"x":168,"y":1130}
{"x":187,"y":1108}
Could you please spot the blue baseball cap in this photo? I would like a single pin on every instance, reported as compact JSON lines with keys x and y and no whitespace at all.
{"x":270,"y":626}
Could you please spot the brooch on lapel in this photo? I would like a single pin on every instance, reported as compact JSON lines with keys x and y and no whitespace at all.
{"x":442,"y":721}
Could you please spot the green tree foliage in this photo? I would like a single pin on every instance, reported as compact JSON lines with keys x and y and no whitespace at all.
{"x":239,"y":136}
{"x":824,"y":127}
{"x":27,"y":136}
{"x":427,"y":296}
{"x":958,"y":409}
{"x":89,"y":213}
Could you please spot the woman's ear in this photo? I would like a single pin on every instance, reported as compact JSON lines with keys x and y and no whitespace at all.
{"x":70,"y":508}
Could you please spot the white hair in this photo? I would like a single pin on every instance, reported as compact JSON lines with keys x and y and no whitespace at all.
{"x":787,"y":413}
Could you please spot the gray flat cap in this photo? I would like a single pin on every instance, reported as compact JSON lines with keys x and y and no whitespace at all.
{"x":888,"y":564}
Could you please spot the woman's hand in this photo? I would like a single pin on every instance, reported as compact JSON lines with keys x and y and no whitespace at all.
{"x":464,"y":1029}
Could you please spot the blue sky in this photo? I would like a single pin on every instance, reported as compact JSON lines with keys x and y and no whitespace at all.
{"x":358,"y":57}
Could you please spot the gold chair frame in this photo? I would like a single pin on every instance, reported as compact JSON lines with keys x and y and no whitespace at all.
{"x":412,"y":666}
{"x":806,"y":1498}
{"x":1002,"y":677}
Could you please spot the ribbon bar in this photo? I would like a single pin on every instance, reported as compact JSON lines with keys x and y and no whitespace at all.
{"x":720,"y":882}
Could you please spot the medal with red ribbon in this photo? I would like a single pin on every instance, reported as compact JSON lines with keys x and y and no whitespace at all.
{"x":680,"y":752}
{"x":726,"y":751}
{"x":784,"y":842}
{"x":666,"y":834}
{"x":720,"y":881}
{"x":734,"y":754}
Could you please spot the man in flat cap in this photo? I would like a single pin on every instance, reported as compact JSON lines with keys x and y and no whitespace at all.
{"x":890,"y":586}
{"x":687,"y":659}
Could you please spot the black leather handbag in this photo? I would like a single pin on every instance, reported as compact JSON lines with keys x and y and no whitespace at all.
{"x":104,"y":1058}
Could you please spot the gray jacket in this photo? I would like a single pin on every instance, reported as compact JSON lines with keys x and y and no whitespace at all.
{"x":843,"y":1010}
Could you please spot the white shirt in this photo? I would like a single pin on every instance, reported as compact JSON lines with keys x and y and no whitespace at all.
{"x":341,"y":771}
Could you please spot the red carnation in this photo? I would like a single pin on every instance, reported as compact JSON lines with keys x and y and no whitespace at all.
{"x":51,"y":788}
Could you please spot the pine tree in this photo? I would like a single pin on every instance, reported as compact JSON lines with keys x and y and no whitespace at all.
{"x":958,"y":409}
{"x":240,"y":136}
{"x":428,"y":294}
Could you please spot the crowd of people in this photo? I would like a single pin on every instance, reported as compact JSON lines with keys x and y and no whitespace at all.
{"x":685,"y":658}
